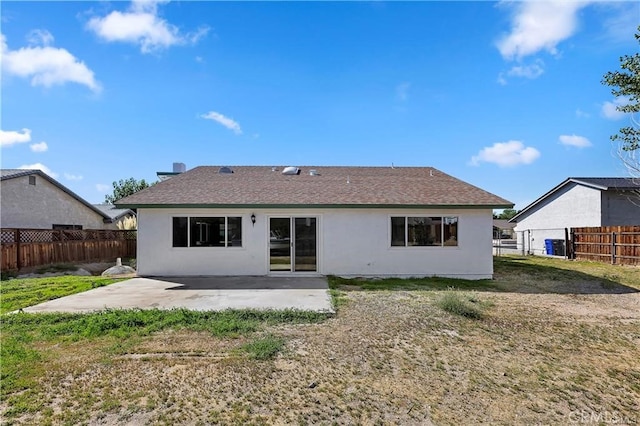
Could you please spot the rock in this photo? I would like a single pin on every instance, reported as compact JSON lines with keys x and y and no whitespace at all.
{"x":118,"y":270}
{"x":312,"y":385}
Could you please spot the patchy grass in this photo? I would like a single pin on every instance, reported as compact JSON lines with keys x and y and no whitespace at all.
{"x":264,"y":348}
{"x":462,"y":304}
{"x":538,"y":274}
{"x":391,"y":284}
{"x":557,"y":343}
{"x":20,"y":293}
{"x":115,"y":331}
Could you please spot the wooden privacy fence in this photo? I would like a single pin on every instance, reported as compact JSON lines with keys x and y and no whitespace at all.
{"x":614,"y":244}
{"x":23,"y":248}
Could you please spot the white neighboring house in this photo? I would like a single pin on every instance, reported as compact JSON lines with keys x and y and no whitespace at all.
{"x":345,"y":221}
{"x":577,"y":202}
{"x":32,"y":199}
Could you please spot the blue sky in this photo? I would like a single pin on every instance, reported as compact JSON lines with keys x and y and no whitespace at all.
{"x":504,"y":95}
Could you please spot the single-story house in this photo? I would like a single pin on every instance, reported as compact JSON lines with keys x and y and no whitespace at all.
{"x":118,"y":216}
{"x":345,"y":221}
{"x":502,"y":229}
{"x":33,"y":199}
{"x":577,"y":202}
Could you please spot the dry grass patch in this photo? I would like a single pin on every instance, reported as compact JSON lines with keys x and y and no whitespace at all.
{"x":389,"y":356}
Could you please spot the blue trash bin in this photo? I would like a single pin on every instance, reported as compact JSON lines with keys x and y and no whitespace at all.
{"x":548,"y":246}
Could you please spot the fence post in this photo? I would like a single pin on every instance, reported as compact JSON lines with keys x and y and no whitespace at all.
{"x":572,"y":236}
{"x":613,"y":248}
{"x":17,"y":237}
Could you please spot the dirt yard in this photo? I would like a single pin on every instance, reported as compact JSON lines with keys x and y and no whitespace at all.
{"x":542,"y":354}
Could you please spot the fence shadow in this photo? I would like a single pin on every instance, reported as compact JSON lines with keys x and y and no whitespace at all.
{"x":511,"y":275}
{"x":520,"y":275}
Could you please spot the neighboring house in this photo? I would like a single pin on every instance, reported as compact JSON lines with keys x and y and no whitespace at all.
{"x":577,"y":202}
{"x":502,"y":229}
{"x":117,"y":215}
{"x":346,"y":221}
{"x":32,"y":199}
{"x":177,"y":169}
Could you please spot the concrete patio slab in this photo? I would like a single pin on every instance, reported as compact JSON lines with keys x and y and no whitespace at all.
{"x":199,"y":294}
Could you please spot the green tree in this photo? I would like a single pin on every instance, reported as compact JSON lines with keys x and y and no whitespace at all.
{"x":507,"y":214}
{"x":625,"y":85}
{"x":124,"y":188}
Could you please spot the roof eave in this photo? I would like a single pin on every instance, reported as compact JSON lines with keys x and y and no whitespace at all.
{"x":317,"y":206}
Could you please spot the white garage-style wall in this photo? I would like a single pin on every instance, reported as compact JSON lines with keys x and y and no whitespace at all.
{"x":351,"y":242}
{"x":572,"y":206}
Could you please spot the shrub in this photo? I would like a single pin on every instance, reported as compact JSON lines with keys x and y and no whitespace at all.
{"x":460,"y":304}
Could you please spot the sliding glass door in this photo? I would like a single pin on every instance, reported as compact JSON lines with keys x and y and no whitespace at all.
{"x":293,"y":244}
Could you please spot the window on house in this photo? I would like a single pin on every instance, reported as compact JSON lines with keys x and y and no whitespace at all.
{"x":207,"y":231}
{"x":66,"y":227}
{"x":422,"y":231}
{"x":68,"y":233}
{"x":32,"y":180}
{"x":180,"y":232}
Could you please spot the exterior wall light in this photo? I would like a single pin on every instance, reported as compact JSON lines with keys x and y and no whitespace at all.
{"x":253,"y":219}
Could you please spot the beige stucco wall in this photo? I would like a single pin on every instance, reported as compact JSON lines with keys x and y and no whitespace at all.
{"x":42,"y":205}
{"x":353,"y":242}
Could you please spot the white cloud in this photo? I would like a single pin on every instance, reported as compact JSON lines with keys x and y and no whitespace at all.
{"x":402,"y":91}
{"x":45,"y":65}
{"x":101,"y":187}
{"x":623,"y":22}
{"x":574,"y":140}
{"x":141,"y":25}
{"x":8,"y":138}
{"x":39,"y":166}
{"x":227,"y":122}
{"x":506,"y":154}
{"x":539,"y":25}
{"x":69,"y":176}
{"x":532,"y":71}
{"x":610,"y":109}
{"x":39,"y":147}
{"x":40,"y":38}
{"x":582,"y":114}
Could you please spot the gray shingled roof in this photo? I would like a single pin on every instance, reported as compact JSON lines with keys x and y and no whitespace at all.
{"x":13,"y":173}
{"x":601,"y":183}
{"x":609,"y":182}
{"x":259,"y":186}
{"x":113,"y":212}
